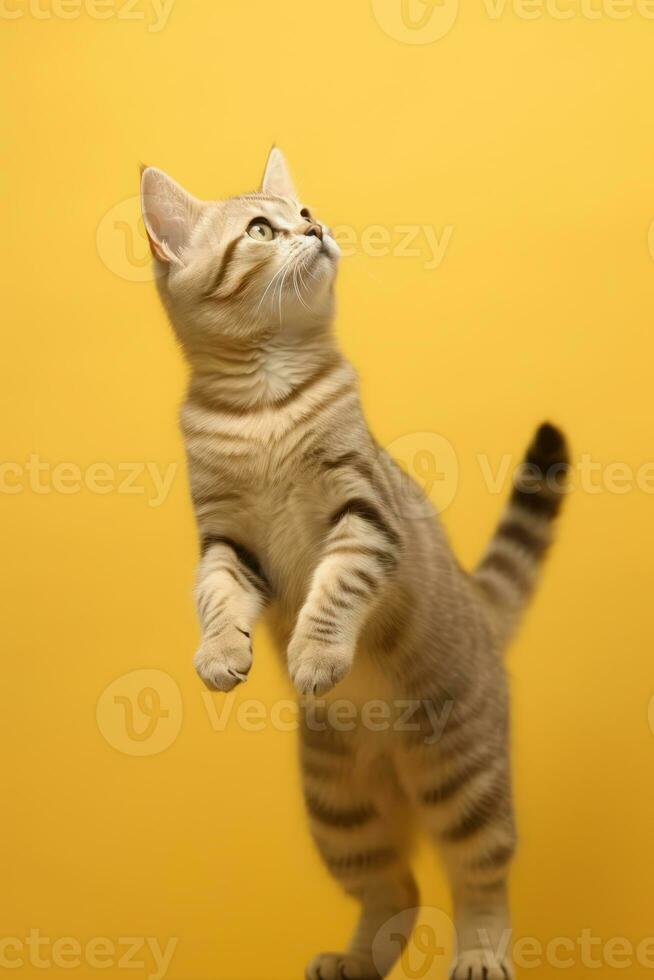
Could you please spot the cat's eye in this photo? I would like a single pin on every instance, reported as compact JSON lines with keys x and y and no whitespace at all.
{"x":305,"y":213}
{"x":261,"y":230}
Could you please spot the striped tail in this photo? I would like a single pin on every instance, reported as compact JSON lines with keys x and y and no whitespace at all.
{"x":509,"y":569}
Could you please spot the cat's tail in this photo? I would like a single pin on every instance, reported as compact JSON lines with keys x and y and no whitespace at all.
{"x":508,"y":571}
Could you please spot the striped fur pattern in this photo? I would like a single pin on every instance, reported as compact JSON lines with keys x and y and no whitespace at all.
{"x":301,"y":514}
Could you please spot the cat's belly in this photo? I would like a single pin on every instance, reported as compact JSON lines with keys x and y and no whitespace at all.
{"x":365,"y":684}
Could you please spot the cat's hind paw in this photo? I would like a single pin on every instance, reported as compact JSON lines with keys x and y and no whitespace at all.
{"x":480,"y":964}
{"x":341,"y":966}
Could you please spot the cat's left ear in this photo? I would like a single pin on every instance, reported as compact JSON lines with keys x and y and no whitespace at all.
{"x":170,"y":214}
{"x":277,"y":177}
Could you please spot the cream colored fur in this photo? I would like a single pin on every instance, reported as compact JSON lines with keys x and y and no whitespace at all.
{"x":300,"y":512}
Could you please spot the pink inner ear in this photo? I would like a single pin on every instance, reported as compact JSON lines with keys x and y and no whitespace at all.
{"x":155,"y":247}
{"x":169,"y":214}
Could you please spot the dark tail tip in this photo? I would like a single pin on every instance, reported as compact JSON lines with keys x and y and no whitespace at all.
{"x":548,"y":447}
{"x":540,"y":485}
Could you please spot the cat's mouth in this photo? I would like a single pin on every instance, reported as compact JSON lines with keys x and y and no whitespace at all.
{"x":323,"y":249}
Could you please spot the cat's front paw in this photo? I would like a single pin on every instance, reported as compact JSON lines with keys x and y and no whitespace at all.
{"x":316,"y":667}
{"x":224,"y":661}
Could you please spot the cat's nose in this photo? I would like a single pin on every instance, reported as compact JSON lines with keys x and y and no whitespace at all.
{"x":314,"y":230}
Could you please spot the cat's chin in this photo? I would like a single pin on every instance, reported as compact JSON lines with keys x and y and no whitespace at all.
{"x":324,"y":269}
{"x":329,"y":249}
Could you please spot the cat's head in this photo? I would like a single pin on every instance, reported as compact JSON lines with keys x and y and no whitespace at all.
{"x":241,"y":269}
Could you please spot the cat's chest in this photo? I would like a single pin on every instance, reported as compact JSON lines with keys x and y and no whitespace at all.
{"x":256,"y":481}
{"x":261,"y":483}
{"x":286,"y":525}
{"x":268,"y":479}
{"x":261,"y":453}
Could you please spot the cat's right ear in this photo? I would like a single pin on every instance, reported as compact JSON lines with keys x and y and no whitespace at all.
{"x":169,"y":214}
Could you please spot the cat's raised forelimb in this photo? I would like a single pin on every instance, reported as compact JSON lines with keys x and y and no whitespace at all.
{"x":230,"y":594}
{"x":223,"y":662}
{"x":360,"y":553}
{"x":316,"y":666}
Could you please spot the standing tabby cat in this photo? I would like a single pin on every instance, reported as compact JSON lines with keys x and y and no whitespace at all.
{"x":298,"y":507}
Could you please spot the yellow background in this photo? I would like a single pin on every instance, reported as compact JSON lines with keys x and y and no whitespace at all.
{"x":532,"y":139}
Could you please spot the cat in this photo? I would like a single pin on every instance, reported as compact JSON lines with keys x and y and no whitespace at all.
{"x":300,"y":512}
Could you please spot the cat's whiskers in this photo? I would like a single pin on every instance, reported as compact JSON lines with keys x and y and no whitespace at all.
{"x":288,"y":264}
{"x":263,"y":295}
{"x":297,"y":273}
{"x":281,"y":288}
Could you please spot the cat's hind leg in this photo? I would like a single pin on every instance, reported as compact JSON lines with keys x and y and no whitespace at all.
{"x":466,"y":805}
{"x":359,"y":823}
{"x":459,"y":782}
